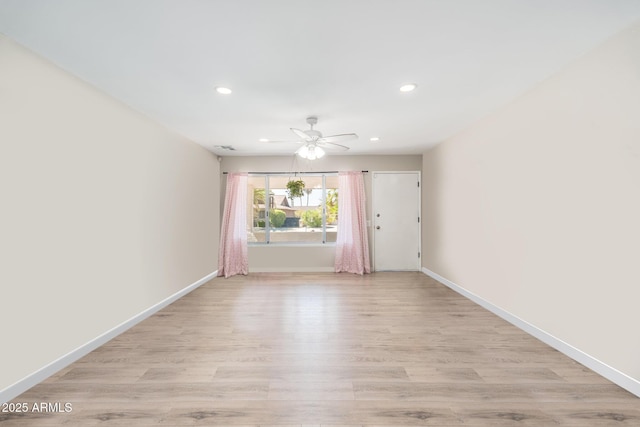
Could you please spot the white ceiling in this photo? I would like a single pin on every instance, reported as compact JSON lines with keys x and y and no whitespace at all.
{"x":342,"y":60}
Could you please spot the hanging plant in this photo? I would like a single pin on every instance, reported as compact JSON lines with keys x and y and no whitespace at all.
{"x":295,"y":188}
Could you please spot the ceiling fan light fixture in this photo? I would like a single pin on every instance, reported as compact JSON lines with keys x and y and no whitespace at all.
{"x":408,"y":87}
{"x":310,"y":152}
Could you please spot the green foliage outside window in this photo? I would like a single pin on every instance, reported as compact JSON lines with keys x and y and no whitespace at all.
{"x":258,"y":196}
{"x":312,"y":218}
{"x":332,"y":206}
{"x":277,"y":218}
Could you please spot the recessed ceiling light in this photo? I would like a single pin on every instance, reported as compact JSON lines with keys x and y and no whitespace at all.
{"x":374,"y":139}
{"x":223,"y":90}
{"x":263,"y":140}
{"x":408,"y":87}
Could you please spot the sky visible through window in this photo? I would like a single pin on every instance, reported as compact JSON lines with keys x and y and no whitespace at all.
{"x":315,"y":198}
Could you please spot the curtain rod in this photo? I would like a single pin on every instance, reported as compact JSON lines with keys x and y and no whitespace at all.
{"x":289,"y":173}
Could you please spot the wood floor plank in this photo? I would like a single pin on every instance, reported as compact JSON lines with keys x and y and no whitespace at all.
{"x":295,"y":391}
{"x":272,"y":349}
{"x":433,"y":392}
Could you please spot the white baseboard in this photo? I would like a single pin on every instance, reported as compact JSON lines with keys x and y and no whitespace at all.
{"x":610,"y":373}
{"x":45,"y":372}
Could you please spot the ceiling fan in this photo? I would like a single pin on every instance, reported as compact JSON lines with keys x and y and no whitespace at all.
{"x":314,"y":142}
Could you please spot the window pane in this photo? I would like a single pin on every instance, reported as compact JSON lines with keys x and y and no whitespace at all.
{"x":256,"y":215}
{"x":331,"y":206}
{"x":298,"y":219}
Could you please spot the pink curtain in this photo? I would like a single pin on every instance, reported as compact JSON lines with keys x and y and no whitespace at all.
{"x":352,"y":243}
{"x":233,"y":258}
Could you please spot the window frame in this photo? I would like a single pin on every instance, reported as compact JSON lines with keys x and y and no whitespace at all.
{"x":267,"y":189}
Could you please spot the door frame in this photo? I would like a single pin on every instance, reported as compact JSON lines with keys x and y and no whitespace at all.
{"x":372,"y":221}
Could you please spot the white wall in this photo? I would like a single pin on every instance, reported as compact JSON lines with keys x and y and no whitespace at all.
{"x":536,"y":208}
{"x":104,"y":213}
{"x":311,"y":258}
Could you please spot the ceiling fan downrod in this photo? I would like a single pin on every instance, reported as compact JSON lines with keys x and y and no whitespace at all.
{"x":312,"y":120}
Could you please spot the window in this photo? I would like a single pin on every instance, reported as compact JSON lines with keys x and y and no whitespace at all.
{"x":275,"y":217}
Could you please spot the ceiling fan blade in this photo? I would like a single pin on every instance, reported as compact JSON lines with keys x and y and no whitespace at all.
{"x":344,"y":137}
{"x":331,"y":145}
{"x":300,"y":133}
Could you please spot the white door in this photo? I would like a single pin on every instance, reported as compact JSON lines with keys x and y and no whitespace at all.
{"x":396,"y":220}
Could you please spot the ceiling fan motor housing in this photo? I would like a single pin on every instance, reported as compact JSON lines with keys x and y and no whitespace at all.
{"x":313,"y":134}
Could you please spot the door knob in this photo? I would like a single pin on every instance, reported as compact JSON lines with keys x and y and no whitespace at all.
{"x":378,"y":227}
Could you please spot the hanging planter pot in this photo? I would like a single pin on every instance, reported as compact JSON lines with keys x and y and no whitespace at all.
{"x":295,"y":188}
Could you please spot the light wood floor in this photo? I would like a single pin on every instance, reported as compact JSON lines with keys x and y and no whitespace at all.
{"x":388,"y":349}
